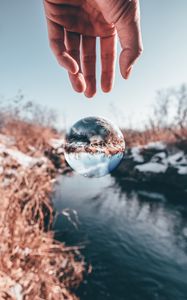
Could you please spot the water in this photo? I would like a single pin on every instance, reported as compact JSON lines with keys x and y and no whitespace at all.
{"x":136,"y":241}
{"x":94,"y":147}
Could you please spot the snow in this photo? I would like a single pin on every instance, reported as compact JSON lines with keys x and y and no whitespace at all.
{"x":89,"y":165}
{"x":152,"y":167}
{"x":1,"y":170}
{"x":7,"y":140}
{"x":16,"y":290}
{"x":182,"y":170}
{"x":161,"y":161}
{"x":2,"y":148}
{"x":137,"y":157}
{"x":56,"y":143}
{"x":161,"y":155}
{"x":156,"y":145}
{"x":177,"y":157}
{"x":22,"y":159}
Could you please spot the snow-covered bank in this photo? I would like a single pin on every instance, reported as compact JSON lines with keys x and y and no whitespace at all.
{"x":14,"y":162}
{"x":155,"y":163}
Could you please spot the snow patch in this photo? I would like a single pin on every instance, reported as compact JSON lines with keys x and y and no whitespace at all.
{"x":156,"y":145}
{"x":176,"y":158}
{"x":23,"y":159}
{"x":152,"y":167}
{"x":161,"y":156}
{"x":16,"y":290}
{"x":137,"y":157}
{"x":182,"y":170}
{"x":1,"y":169}
{"x":7,"y":140}
{"x":56,"y":143}
{"x":161,"y":161}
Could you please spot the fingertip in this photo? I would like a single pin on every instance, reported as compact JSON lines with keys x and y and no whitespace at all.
{"x":126,"y":62}
{"x":107,"y":89}
{"x":89,"y":94}
{"x":90,"y":87}
{"x":79,"y":84}
{"x":106,"y":84}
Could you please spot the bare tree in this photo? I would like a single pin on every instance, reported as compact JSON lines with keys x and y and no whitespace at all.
{"x":181,"y":113}
{"x":170,"y":111}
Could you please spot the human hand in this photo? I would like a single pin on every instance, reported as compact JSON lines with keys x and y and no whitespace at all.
{"x":72,"y":23}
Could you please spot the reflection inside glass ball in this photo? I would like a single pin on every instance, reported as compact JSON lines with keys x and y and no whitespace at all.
{"x":94,"y":147}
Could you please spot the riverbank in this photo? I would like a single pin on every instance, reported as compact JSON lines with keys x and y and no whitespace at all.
{"x":156,"y":164}
{"x":33,"y":265}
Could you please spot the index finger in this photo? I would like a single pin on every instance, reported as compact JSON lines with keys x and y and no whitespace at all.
{"x":56,"y":41}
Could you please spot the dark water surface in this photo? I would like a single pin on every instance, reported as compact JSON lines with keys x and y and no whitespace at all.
{"x":136,"y":241}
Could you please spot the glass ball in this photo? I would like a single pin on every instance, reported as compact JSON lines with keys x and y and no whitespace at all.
{"x":94,"y":147}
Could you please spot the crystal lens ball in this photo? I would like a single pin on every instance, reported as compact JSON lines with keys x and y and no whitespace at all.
{"x":94,"y":147}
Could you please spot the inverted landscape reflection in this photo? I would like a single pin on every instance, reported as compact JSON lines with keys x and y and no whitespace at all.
{"x":94,"y":147}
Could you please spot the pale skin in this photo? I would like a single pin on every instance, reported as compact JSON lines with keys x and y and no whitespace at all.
{"x":73,"y":26}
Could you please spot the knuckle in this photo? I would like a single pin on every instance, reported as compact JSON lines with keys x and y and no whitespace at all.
{"x":125,"y":11}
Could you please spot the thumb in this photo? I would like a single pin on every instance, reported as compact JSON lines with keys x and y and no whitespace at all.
{"x":131,"y":42}
{"x":125,"y":15}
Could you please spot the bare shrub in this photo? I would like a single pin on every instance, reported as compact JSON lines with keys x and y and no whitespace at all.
{"x":31,"y":124}
{"x":169,"y":120}
{"x":170,"y":112}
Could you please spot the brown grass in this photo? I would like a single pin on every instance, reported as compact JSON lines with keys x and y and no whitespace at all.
{"x":29,"y":134}
{"x":29,"y":254}
{"x":135,"y":137}
{"x":176,"y":137}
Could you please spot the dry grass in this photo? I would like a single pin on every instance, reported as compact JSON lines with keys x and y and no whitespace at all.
{"x":107,"y":149}
{"x":29,"y":134}
{"x":135,"y":137}
{"x":30,"y":257}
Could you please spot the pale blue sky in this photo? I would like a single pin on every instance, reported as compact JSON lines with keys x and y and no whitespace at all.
{"x":26,"y":62}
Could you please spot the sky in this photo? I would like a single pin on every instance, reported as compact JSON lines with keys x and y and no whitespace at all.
{"x":27,"y":64}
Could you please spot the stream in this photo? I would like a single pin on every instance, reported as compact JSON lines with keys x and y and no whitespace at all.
{"x":135,"y":240}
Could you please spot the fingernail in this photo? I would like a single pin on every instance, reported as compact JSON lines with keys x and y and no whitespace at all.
{"x":127,"y":74}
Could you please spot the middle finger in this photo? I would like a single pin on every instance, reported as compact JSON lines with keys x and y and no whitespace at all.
{"x":72,"y":41}
{"x":88,"y":64}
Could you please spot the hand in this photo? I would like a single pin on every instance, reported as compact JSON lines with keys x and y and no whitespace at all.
{"x":72,"y":23}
